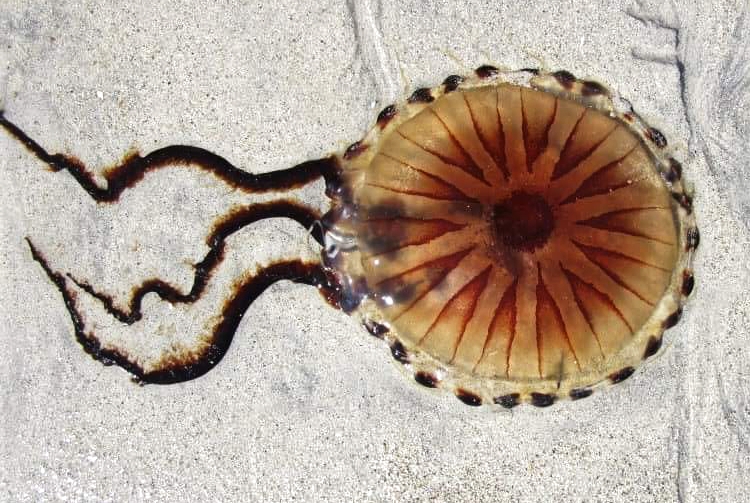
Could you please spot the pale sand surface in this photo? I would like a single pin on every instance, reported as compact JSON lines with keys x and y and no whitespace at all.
{"x":305,"y":406}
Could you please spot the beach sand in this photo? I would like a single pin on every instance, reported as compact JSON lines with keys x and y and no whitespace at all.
{"x":305,"y":406}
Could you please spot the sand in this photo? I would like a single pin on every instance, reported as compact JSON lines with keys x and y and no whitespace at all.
{"x":306,"y":406}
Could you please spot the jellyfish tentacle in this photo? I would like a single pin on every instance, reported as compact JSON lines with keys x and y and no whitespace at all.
{"x":134,"y":167}
{"x":223,"y":228}
{"x":206,"y":356}
{"x":203,"y":354}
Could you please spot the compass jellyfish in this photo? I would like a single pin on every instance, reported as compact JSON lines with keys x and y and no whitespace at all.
{"x":513,"y":237}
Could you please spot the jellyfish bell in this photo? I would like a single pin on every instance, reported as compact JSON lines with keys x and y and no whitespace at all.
{"x":519,"y":238}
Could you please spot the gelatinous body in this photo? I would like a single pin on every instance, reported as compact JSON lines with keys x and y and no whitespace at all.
{"x":514,"y":238}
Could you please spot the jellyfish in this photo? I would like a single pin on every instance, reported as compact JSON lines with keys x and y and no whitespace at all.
{"x":512,"y":237}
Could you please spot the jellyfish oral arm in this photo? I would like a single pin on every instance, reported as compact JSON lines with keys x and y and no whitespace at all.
{"x":162,"y":358}
{"x":119,"y":339}
{"x":134,"y":167}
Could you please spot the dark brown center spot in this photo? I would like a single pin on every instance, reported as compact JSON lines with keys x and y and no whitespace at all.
{"x":523,"y":221}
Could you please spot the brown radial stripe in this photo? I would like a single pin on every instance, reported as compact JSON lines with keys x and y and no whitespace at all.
{"x":604,"y":252}
{"x":458,"y":118}
{"x":511,"y":117}
{"x":534,"y":138}
{"x":503,"y":161}
{"x":384,"y":172}
{"x":598,"y":257}
{"x":575,"y":286}
{"x":526,"y":134}
{"x":604,"y":180}
{"x":459,"y":309}
{"x":631,"y":306}
{"x":440,"y":189}
{"x":563,"y":167}
{"x":503,"y":322}
{"x":573,"y":153}
{"x":579,"y":286}
{"x":582,"y":290}
{"x":494,"y":148}
{"x":391,"y":234}
{"x":431,"y":272}
{"x":465,"y":164}
{"x":611,"y":222}
{"x":548,"y":315}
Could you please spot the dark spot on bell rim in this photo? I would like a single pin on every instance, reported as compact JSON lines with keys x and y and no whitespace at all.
{"x":542,"y":399}
{"x":508,"y":401}
{"x":673,"y":319}
{"x":399,"y":352}
{"x":486,"y":71}
{"x":684,"y":200}
{"x":621,"y":375}
{"x":653,"y":346}
{"x":564,"y":78}
{"x":688,"y":282}
{"x":421,"y":95}
{"x":385,"y":116}
{"x":591,"y":88}
{"x":426,"y":379}
{"x":675,"y":171}
{"x":452,"y":82}
{"x":693,"y":238}
{"x":468,"y":398}
{"x":375,"y":328}
{"x":354,"y":150}
{"x":657,"y":137}
{"x":578,"y":393}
